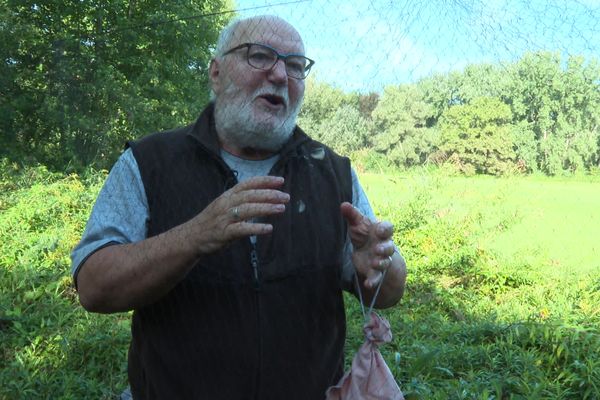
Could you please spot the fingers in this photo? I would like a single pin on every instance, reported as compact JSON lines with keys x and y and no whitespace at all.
{"x":230,"y":216}
{"x":259,"y":196}
{"x":384,"y":230}
{"x":376,"y":273}
{"x":259,"y":182}
{"x":245,"y":229}
{"x":352,"y":215}
{"x":372,"y":242}
{"x":378,"y":260}
{"x":261,"y":189}
{"x":240,"y":224}
{"x":248,"y":211}
{"x":255,"y":197}
{"x":384,"y":249}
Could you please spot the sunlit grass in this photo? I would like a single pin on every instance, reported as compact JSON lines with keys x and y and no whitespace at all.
{"x":502,"y":301}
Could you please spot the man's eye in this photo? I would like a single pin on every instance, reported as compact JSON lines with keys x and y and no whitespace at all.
{"x":261,"y":57}
{"x":295,"y":66}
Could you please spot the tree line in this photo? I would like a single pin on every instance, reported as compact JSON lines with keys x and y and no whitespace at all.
{"x":78,"y":79}
{"x":540,"y":113}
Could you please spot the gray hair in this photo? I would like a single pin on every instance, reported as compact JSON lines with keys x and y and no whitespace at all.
{"x":223,"y":44}
{"x":228,"y":33}
{"x":226,"y":36}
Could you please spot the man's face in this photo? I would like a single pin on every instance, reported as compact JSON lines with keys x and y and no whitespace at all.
{"x":256,"y":108}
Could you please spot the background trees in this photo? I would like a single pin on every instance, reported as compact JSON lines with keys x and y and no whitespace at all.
{"x":80,"y":78}
{"x":477,"y":137}
{"x":540,"y":113}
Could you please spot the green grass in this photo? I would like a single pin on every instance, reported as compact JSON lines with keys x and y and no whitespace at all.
{"x":503,"y":297}
{"x":552,"y":223}
{"x":502,"y":301}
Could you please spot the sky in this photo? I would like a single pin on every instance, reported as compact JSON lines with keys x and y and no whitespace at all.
{"x":365,"y":45}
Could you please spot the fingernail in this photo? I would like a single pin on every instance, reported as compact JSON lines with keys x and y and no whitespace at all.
{"x":279,"y":207}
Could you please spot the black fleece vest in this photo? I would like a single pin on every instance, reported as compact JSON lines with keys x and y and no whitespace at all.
{"x":225,"y":332}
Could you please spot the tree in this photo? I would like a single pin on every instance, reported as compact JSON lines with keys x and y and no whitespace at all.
{"x":89,"y":75}
{"x":400,"y":119}
{"x":476,"y":137}
{"x":321,"y":101}
{"x":561,"y":106}
{"x":461,"y":87}
{"x":345,"y":131}
{"x":525,"y":146}
{"x":367,"y":104}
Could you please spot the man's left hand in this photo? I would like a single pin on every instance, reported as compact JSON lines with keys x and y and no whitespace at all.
{"x":372,"y":242}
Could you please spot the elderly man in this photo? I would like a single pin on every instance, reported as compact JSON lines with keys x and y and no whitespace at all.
{"x":232,"y":238}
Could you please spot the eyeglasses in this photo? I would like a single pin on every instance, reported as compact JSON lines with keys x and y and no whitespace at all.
{"x":264,"y":57}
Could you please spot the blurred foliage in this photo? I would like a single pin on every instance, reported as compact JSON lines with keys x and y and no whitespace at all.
{"x":50,"y":347}
{"x":78,"y":79}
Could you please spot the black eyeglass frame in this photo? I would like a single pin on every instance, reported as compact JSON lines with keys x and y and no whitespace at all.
{"x":283,"y":57}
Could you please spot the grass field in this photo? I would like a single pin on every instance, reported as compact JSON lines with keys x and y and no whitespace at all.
{"x":504,"y":285}
{"x":502,"y":302}
{"x":550,"y":222}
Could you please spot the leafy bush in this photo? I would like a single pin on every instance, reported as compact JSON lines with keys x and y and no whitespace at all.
{"x":45,"y":336}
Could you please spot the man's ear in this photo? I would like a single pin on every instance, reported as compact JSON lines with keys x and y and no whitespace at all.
{"x":214,"y":75}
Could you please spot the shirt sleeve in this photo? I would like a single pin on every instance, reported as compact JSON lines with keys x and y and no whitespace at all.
{"x":360,"y":201}
{"x":120,"y":214}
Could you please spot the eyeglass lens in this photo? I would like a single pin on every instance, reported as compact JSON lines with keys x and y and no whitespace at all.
{"x":262,"y":57}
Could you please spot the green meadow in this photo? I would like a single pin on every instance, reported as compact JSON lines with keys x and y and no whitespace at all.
{"x":502,"y":299}
{"x":503,"y":295}
{"x":552,"y":223}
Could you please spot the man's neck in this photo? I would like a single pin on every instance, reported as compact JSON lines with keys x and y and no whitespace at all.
{"x":246,"y":153}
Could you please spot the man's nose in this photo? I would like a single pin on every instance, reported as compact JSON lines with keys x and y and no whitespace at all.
{"x":278,"y":73}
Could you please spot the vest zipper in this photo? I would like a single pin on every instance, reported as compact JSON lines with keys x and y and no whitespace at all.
{"x":254,"y":262}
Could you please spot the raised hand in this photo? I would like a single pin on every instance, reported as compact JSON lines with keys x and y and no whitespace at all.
{"x":230,"y":215}
{"x":372,"y":242}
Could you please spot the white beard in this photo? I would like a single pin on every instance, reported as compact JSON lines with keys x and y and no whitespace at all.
{"x":237,"y":124}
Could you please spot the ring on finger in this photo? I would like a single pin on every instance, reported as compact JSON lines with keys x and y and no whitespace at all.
{"x":236,"y":213}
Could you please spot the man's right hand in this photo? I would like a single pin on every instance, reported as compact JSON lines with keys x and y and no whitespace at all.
{"x":128,"y":276}
{"x":230,"y":216}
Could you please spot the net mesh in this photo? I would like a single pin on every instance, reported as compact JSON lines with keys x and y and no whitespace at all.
{"x":366,"y":45}
{"x":359,"y":46}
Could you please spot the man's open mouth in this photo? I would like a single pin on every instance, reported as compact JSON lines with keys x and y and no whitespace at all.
{"x":274,"y":99}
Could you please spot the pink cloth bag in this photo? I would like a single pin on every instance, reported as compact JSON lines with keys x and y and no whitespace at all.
{"x":369,"y":377}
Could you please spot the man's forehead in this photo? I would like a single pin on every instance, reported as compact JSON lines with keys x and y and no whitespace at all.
{"x":274,"y":32}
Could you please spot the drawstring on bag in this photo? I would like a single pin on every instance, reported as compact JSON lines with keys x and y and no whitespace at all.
{"x":366,"y":316}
